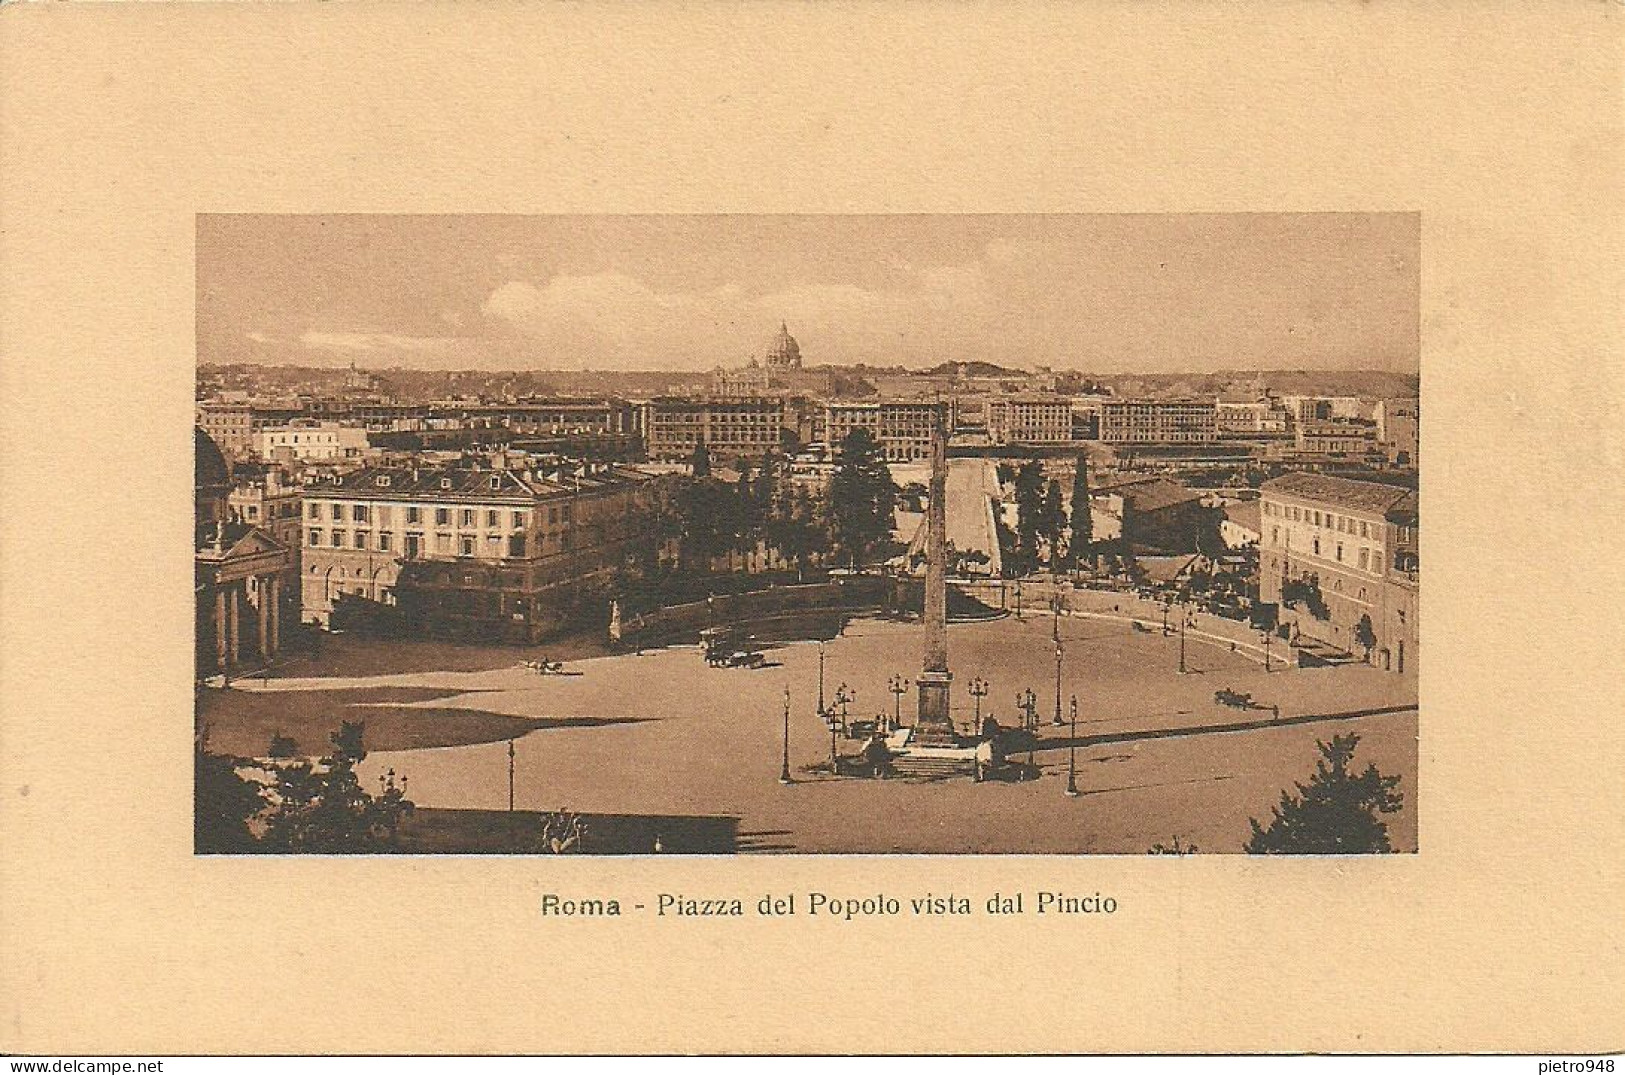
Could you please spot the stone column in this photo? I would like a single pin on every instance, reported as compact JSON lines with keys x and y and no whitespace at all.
{"x":234,"y":646}
{"x":219,"y":626}
{"x":274,"y":602}
{"x":262,"y":583}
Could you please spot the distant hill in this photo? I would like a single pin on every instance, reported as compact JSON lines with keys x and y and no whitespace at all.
{"x":973,"y":369}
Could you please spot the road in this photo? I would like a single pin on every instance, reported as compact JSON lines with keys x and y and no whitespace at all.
{"x":972,"y":484}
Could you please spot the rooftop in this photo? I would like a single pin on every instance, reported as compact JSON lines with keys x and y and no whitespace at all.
{"x":482,"y":483}
{"x":1150,"y":494}
{"x":1244,"y":513}
{"x":1342,"y":492}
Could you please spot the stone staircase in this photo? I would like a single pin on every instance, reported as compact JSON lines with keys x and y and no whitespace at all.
{"x":933,"y":766}
{"x":1313,"y":653}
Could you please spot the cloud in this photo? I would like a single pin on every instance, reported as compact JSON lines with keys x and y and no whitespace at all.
{"x":374,"y":342}
{"x":617,"y":319}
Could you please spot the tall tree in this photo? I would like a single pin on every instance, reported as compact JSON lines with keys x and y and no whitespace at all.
{"x":1365,"y":636}
{"x":1335,"y":813}
{"x":1054,"y":522}
{"x":1029,"y":512}
{"x":802,"y":534}
{"x":750,"y":521}
{"x":699,"y":463}
{"x":1082,"y":540}
{"x":711,"y":521}
{"x":861,"y":497}
{"x":765,"y":489}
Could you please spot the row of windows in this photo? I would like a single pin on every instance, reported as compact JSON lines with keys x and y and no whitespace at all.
{"x":363,"y":513}
{"x":466,"y":545}
{"x":1337,"y":584}
{"x":1343,"y":524}
{"x":1368,"y":559}
{"x":284,"y":510}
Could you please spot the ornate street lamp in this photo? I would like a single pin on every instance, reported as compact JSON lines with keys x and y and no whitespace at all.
{"x":1265,"y":636}
{"x":510,"y":776}
{"x":1059,"y":652}
{"x":898,"y":687}
{"x":1184,"y":618}
{"x":1072,"y":755}
{"x":1028,"y":701}
{"x":820,"y":677}
{"x":978,"y":689}
{"x":843,"y":698}
{"x":784,"y":765}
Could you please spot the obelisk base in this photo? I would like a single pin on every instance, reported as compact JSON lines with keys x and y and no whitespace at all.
{"x":935,"y":725}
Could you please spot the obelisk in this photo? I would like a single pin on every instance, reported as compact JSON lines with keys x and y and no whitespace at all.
{"x":935,"y":721}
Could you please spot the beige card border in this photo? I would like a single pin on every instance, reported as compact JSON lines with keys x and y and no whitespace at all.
{"x":1500,"y":124}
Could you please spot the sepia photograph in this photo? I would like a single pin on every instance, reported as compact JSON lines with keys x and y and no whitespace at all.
{"x":813,"y":534}
{"x":714,"y":523}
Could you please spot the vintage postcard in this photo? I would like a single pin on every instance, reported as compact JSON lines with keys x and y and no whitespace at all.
{"x":690,"y":528}
{"x":1043,"y":534}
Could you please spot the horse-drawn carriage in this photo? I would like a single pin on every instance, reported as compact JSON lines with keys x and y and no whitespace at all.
{"x":725,"y":647}
{"x":546,"y":667}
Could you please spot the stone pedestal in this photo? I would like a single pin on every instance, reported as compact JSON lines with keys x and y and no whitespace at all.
{"x":934,"y":698}
{"x":934,"y":725}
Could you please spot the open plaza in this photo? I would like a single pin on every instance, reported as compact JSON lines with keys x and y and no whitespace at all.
{"x":661,"y":733}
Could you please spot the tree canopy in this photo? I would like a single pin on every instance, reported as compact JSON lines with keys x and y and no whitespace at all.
{"x":862,"y":498}
{"x":1082,"y":539}
{"x":1335,"y":813}
{"x":1029,"y":484}
{"x":307,"y":806}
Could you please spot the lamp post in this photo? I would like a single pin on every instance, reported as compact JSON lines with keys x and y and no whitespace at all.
{"x":1265,"y":636}
{"x":1018,"y":599}
{"x":842,"y":699}
{"x":1028,"y":702}
{"x":510,"y":776}
{"x":978,"y":689}
{"x":1072,"y":755}
{"x":1059,"y":653}
{"x":1024,"y":703}
{"x":820,"y":677}
{"x":898,"y":687}
{"x":1184,"y":618}
{"x":784,"y":764}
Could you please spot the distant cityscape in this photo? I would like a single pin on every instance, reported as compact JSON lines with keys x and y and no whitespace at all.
{"x":301,"y":443}
{"x":387,"y":557}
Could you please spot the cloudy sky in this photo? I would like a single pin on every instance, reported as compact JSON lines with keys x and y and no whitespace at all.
{"x":1130,"y":293}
